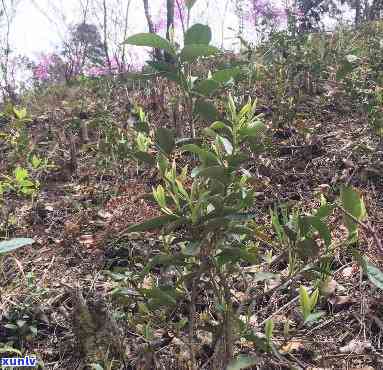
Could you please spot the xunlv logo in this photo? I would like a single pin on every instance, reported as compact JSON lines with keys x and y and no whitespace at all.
{"x":19,"y":361}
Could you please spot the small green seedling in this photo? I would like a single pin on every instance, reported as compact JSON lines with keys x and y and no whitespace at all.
{"x":269,"y":328}
{"x":308,"y":303}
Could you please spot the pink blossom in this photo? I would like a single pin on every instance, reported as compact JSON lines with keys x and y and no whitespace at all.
{"x":42,"y":69}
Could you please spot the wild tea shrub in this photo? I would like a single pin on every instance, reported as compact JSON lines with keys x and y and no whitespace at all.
{"x":206,"y":210}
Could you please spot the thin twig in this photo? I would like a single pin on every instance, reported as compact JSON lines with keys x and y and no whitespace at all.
{"x":192,"y":324}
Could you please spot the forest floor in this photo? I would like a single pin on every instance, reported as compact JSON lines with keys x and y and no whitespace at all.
{"x":79,"y":226}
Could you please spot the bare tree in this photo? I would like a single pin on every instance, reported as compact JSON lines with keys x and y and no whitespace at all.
{"x":7,"y":16}
{"x":112,"y":17}
{"x":84,"y":4}
{"x":125,"y":33}
{"x":105,"y":29}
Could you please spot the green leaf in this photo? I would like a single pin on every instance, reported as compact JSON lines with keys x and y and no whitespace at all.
{"x":269,"y":328}
{"x":166,"y":70}
{"x":208,"y":158}
{"x":206,"y":87}
{"x":154,"y":223}
{"x":20,"y":174}
{"x":213,"y":172}
{"x":13,"y":244}
{"x":20,"y":113}
{"x":151,"y":40}
{"x":162,"y":163}
{"x":235,"y":255}
{"x":242,"y":362}
{"x":193,"y":51}
{"x":188,"y":140}
{"x":192,"y":148}
{"x":161,"y":296}
{"x":277,"y":225}
{"x":225,"y":75}
{"x":164,"y":260}
{"x":237,"y":159}
{"x":314,"y":299}
{"x":322,"y":229}
{"x":165,"y":139}
{"x":374,"y":274}
{"x":162,"y":66}
{"x":324,"y":210}
{"x":304,"y":301}
{"x":198,"y":34}
{"x":353,"y":203}
{"x":257,"y":129}
{"x":314,"y":316}
{"x":217,"y":187}
{"x":344,"y":70}
{"x":206,"y":110}
{"x":219,"y":125}
{"x":144,"y":157}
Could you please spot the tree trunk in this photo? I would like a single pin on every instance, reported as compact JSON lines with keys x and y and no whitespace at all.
{"x":96,"y":332}
{"x":366,"y":16}
{"x":179,"y":9}
{"x":106,"y":47}
{"x":123,"y":56}
{"x":157,"y":52}
{"x":357,"y":12}
{"x":170,"y":27}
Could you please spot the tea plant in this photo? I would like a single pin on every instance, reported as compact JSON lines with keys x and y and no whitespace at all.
{"x":20,"y":183}
{"x":196,"y":90}
{"x":210,"y":204}
{"x":15,"y":132}
{"x":375,"y":110}
{"x":117,"y":144}
{"x":208,"y":232}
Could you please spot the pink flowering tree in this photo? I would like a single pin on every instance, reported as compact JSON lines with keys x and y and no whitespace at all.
{"x":53,"y":68}
{"x":49,"y":68}
{"x":267,"y":16}
{"x":263,"y":15}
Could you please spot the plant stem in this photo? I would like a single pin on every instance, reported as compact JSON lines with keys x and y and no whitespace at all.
{"x":228,"y":327}
{"x":192,"y":324}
